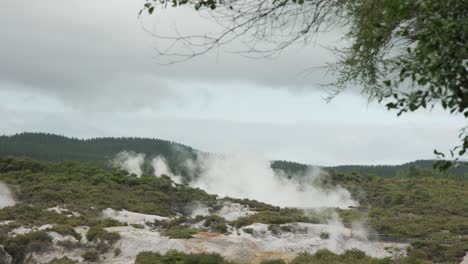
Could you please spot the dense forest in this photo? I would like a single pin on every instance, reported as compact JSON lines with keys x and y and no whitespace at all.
{"x":50,"y":147}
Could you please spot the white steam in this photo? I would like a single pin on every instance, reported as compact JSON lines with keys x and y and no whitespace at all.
{"x":6,"y":198}
{"x":130,"y":161}
{"x":244,"y":176}
{"x":160,"y":168}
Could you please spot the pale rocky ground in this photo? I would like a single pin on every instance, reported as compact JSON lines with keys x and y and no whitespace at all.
{"x":238,"y":245}
{"x":465,"y":259}
{"x":244,"y":247}
{"x":230,"y":211}
{"x":130,"y":218}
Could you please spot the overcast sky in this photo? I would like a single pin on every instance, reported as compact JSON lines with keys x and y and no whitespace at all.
{"x":87,"y":68}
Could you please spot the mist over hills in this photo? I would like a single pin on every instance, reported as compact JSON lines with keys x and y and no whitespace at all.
{"x":240,"y":199}
{"x":52,"y":147}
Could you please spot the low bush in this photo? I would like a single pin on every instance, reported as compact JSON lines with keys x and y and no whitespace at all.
{"x":66,"y":230}
{"x":273,"y":261}
{"x":248,"y":230}
{"x":63,"y":260}
{"x":438,"y":253}
{"x":282,"y":216}
{"x":352,"y":256}
{"x":91,"y":255}
{"x":21,"y":245}
{"x":180,"y":232}
{"x":216,"y":223}
{"x":324,"y":235}
{"x":68,"y":245}
{"x":172,"y":257}
{"x":170,"y":223}
{"x":274,"y":229}
{"x":97,"y":233}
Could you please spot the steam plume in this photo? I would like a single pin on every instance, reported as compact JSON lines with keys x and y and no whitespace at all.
{"x":6,"y":198}
{"x":247,"y":176}
{"x":161,"y":168}
{"x":130,"y":161}
{"x":244,"y":176}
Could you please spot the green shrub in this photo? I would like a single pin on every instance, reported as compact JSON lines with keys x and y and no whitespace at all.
{"x":68,"y":245}
{"x":287,"y":228}
{"x":273,"y":261}
{"x":173,"y":257}
{"x":21,"y":245}
{"x":248,"y":230}
{"x":66,"y":230}
{"x":63,"y":260}
{"x":436,"y":252}
{"x":97,"y":233}
{"x":216,"y":223}
{"x":91,"y":255}
{"x":352,"y":256}
{"x":274,"y":229}
{"x":324,"y":235}
{"x":282,"y":216}
{"x":180,"y":232}
{"x":170,"y":223}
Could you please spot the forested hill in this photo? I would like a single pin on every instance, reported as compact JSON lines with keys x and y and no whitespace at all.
{"x":414,"y":168}
{"x":51,"y":147}
{"x":418,"y":168}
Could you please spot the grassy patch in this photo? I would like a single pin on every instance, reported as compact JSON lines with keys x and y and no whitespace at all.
{"x":180,"y":232}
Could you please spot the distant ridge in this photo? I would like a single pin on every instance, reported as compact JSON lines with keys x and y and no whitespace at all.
{"x":395,"y":170}
{"x":52,"y":147}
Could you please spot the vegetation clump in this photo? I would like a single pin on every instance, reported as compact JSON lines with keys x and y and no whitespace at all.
{"x":216,"y":223}
{"x":424,"y":207}
{"x":248,"y":230}
{"x":180,"y":258}
{"x":100,"y":234}
{"x":180,"y":232}
{"x":324,"y":235}
{"x":91,"y":255}
{"x":273,"y":261}
{"x":63,"y":260}
{"x":352,"y":256}
{"x":66,"y":230}
{"x":438,"y":253}
{"x":282,"y":216}
{"x":21,"y":245}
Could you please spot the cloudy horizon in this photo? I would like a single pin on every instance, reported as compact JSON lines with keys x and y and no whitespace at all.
{"x":82,"y":69}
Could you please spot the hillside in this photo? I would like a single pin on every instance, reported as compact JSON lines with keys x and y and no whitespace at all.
{"x":60,"y":209}
{"x":69,"y":201}
{"x":50,"y":147}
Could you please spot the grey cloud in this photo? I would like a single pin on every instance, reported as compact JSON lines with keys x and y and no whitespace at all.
{"x":76,"y":49}
{"x":316,"y":143}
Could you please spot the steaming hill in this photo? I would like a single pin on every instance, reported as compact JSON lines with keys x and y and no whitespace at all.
{"x":75,"y":212}
{"x":50,"y":147}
